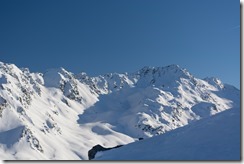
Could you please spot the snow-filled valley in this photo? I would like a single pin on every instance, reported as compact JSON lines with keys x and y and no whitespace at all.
{"x":58,"y":115}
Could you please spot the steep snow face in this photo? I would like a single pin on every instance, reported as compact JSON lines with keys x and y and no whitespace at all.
{"x":107,"y":83}
{"x":39,"y":115}
{"x":60,"y":115}
{"x":215,"y":138}
{"x":167,"y":76}
{"x":159,"y":100}
{"x":69,"y":85}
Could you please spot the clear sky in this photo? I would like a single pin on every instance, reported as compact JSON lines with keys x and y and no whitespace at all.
{"x":102,"y":36}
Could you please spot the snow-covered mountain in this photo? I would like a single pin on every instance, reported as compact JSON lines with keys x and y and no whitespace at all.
{"x":61,"y":115}
{"x":212,"y":138}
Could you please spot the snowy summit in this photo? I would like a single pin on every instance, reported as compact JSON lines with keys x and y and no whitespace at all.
{"x":155,"y":113}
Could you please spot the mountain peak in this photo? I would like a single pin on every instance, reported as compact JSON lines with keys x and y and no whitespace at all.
{"x":59,"y":108}
{"x":54,"y":76}
{"x":173,"y":66}
{"x":169,"y":68}
{"x":165,"y":76}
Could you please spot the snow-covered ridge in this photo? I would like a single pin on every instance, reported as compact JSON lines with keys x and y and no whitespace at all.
{"x":215,"y":138}
{"x":61,"y":115}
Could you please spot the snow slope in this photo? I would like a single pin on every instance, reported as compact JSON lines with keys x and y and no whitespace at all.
{"x":159,"y":100}
{"x":215,"y":138}
{"x":61,"y":115}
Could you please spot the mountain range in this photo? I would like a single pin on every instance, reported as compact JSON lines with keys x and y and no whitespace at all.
{"x":59,"y":115}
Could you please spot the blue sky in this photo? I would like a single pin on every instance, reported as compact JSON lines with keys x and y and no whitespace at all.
{"x":105,"y":36}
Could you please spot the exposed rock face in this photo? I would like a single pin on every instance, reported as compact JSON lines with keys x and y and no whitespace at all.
{"x":97,"y":148}
{"x":3,"y":105}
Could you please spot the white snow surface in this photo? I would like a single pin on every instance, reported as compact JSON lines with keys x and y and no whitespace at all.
{"x":215,"y":138}
{"x":58,"y":115}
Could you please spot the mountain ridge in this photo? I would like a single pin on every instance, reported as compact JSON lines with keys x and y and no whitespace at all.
{"x":57,"y":106}
{"x":190,"y":142}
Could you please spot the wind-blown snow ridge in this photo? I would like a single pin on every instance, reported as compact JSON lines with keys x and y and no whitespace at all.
{"x":61,"y":115}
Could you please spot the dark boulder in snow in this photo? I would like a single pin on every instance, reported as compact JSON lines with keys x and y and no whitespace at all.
{"x":97,"y":148}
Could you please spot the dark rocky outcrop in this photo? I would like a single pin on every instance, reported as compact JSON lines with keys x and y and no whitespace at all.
{"x":97,"y":148}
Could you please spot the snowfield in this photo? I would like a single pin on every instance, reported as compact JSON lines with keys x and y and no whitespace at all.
{"x":58,"y":115}
{"x":215,"y":138}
